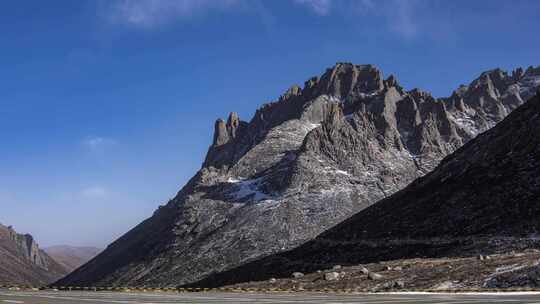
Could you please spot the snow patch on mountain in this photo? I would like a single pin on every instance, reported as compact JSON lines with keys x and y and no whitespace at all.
{"x":529,"y":84}
{"x":247,"y":189}
{"x":466,"y":122}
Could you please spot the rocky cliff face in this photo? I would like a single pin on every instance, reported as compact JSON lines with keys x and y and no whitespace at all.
{"x":302,"y":164}
{"x":484,"y":198}
{"x":23,"y":263}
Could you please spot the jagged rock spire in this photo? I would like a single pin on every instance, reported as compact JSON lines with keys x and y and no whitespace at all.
{"x":391,"y":81}
{"x":225,"y":132}
{"x":346,"y":78}
{"x":293,"y":91}
{"x":335,"y":114}
{"x":223,"y":149}
{"x":221,"y":135}
{"x":517,"y":74}
{"x":233,"y":122}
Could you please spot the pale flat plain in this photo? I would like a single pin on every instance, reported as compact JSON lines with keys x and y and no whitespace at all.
{"x":49,"y":297}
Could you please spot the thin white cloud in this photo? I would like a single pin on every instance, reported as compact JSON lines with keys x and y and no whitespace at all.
{"x":401,"y":20}
{"x":154,"y":13}
{"x":97,"y":143}
{"x":320,"y":7}
{"x":397,"y":14}
{"x":98,"y":147}
{"x":365,"y":6}
{"x":94,"y":192}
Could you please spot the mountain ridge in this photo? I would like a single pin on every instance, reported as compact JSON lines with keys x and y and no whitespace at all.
{"x":301,"y":165}
{"x":22,"y":262}
{"x":482,"y":199}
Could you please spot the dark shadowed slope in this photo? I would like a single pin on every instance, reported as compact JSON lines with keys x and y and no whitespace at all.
{"x":485,"y":197}
{"x":72,"y":257}
{"x":23,"y":263}
{"x":304,"y":163}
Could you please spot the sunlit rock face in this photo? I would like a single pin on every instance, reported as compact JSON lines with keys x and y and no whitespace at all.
{"x":22,"y":262}
{"x":482,"y":199}
{"x":302,"y":164}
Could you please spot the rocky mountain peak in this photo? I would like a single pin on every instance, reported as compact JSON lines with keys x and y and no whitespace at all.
{"x":293,"y":91}
{"x":224,"y":142}
{"x":345,"y":79}
{"x":483,"y":198}
{"x":420,"y":94}
{"x":233,"y":123}
{"x":225,"y":132}
{"x":495,"y":75}
{"x":517,"y":74}
{"x":221,"y":134}
{"x":342,"y":82}
{"x":310,"y":84}
{"x":303,"y":163}
{"x":392,"y":81}
{"x":459,"y":92}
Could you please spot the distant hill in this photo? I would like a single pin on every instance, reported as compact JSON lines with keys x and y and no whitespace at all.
{"x":22,"y":262}
{"x":72,"y":257}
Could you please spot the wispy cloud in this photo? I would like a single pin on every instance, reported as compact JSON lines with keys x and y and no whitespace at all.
{"x":94,"y":192}
{"x":401,"y":19}
{"x":320,"y":7}
{"x":398,"y":15}
{"x":98,"y":145}
{"x":153,"y":13}
{"x":97,"y":142}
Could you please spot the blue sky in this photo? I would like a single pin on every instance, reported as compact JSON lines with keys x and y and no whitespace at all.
{"x":107,"y":107}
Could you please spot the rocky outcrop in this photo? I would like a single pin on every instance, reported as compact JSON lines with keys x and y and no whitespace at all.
{"x":482,"y":199}
{"x":225,"y":144}
{"x":22,"y":262}
{"x":302,"y":164}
